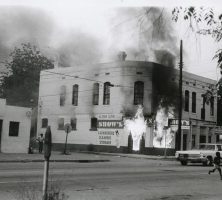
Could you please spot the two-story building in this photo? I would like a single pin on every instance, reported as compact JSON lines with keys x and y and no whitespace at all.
{"x":97,"y":100}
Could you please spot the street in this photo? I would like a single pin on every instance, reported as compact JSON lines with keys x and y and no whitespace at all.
{"x":121,"y":178}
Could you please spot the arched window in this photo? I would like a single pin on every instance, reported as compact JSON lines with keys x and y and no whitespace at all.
{"x":194,"y":101}
{"x":75,"y":90}
{"x":44,"y":122}
{"x":186,"y":105}
{"x":138,"y":93}
{"x":95,"y":94}
{"x":62,"y":95}
{"x":106,"y":93}
{"x":212,"y":106}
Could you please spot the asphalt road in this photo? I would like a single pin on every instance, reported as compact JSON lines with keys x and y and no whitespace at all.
{"x":119,"y":179}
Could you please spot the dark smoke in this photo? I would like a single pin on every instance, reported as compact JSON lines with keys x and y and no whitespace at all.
{"x":22,"y":25}
{"x":164,"y":57}
{"x":19,"y":24}
{"x":142,"y":32}
{"x":165,"y":87}
{"x":147,"y":34}
{"x":79,"y":48}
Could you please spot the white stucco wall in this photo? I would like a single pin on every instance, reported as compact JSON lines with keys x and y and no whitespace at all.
{"x":20,"y":143}
{"x":124,"y":74}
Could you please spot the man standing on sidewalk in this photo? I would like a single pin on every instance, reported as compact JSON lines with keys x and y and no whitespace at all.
{"x":40,"y":141}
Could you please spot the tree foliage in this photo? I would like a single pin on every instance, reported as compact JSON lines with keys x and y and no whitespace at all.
{"x":210,"y":22}
{"x":20,"y":84}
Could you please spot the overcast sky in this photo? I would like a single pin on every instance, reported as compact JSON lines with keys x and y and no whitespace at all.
{"x":86,"y":31}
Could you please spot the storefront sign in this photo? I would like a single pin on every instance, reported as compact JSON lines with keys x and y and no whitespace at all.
{"x":111,"y":124}
{"x":218,"y":130}
{"x":108,"y":137}
{"x":185,"y":124}
{"x":109,"y":117}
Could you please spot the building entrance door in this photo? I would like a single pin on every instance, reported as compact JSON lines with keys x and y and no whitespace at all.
{"x":185,"y":142}
{"x":1,"y":121}
{"x":130,"y":144}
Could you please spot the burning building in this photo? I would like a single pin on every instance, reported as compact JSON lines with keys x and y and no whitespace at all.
{"x":124,"y":106}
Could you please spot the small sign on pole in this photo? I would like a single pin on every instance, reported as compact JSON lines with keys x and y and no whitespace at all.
{"x":47,"y":154}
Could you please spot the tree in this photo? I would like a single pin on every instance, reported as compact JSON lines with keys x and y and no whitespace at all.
{"x":210,"y":22}
{"x":212,"y":25}
{"x":20,"y":84}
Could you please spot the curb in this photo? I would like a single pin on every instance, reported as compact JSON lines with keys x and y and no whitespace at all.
{"x":136,"y":157}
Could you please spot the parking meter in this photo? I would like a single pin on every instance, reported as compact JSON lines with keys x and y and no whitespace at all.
{"x":47,"y":143}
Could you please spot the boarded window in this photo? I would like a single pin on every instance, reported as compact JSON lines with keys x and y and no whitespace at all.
{"x":61,"y":124}
{"x":62,"y":95}
{"x":14,"y":129}
{"x":44,"y":122}
{"x":187,"y":98}
{"x":194,"y":102}
{"x":96,"y":94}
{"x":75,"y":91}
{"x":73,"y":122}
{"x":106,"y":93}
{"x":138,"y":93}
{"x":93,"y":124}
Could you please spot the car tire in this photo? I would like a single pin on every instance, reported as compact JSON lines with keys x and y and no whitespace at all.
{"x":184,"y":162}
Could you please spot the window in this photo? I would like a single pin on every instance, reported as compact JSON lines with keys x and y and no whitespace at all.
{"x":212,"y":106}
{"x":93,"y":124}
{"x":187,"y":96}
{"x":62,"y":95}
{"x":44,"y":122}
{"x":106,"y":93}
{"x":75,"y":90}
{"x":138,"y":93}
{"x":61,"y":124}
{"x":14,"y":129}
{"x":209,"y":139}
{"x":73,"y":123}
{"x":96,"y":94}
{"x":202,"y":139}
{"x":194,"y":102}
{"x":217,"y":138}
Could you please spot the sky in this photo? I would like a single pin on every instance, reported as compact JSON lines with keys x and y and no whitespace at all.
{"x":90,"y":31}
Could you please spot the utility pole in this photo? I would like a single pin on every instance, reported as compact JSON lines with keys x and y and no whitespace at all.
{"x":178,"y":140}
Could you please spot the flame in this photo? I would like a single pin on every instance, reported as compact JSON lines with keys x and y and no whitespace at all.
{"x":163,"y":135}
{"x":137,"y":127}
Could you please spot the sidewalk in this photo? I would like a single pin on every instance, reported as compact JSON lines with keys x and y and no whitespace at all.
{"x":82,"y":157}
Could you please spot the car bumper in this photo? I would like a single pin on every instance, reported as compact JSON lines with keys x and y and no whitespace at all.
{"x":193,"y":160}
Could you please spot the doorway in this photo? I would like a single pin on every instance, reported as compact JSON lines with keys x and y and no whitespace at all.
{"x":185,"y":142}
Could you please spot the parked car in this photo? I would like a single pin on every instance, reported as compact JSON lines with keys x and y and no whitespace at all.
{"x":205,"y":154}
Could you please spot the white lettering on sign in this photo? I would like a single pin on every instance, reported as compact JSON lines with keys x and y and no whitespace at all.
{"x":116,"y":124}
{"x":109,"y":117}
{"x":109,"y":137}
{"x":176,"y":122}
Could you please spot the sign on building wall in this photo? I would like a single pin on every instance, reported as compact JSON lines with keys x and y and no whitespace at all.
{"x":110,"y":124}
{"x":185,"y":124}
{"x":109,"y":129}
